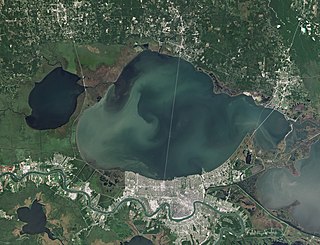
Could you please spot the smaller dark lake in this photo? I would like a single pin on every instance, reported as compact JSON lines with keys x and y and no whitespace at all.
{"x":139,"y":240}
{"x":35,"y":218}
{"x":54,"y":99}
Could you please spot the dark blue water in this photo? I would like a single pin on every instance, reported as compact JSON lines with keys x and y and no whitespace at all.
{"x":139,"y":240}
{"x":53,"y":100}
{"x":35,"y":218}
{"x":131,"y":126}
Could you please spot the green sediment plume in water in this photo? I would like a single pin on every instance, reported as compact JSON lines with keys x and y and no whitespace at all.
{"x":129,"y":127}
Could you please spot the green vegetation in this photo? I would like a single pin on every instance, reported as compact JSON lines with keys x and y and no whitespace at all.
{"x":311,"y":79}
{"x":64,"y":222}
{"x":186,"y":243}
{"x":9,"y":230}
{"x":18,"y":141}
{"x":118,"y":223}
{"x":224,"y":37}
{"x":140,"y":225}
{"x":9,"y":203}
{"x":71,"y":223}
{"x":300,"y":35}
{"x":66,"y":51}
{"x":82,"y":170}
{"x":244,"y":43}
{"x":230,"y":222}
{"x":98,"y":234}
{"x":91,"y":56}
{"x":107,"y":194}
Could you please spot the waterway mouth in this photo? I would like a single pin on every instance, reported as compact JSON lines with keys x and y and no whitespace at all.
{"x":133,"y":127}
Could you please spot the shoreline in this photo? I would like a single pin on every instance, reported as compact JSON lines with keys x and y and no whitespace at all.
{"x":166,"y":206}
{"x":224,"y":90}
{"x":83,"y":108}
{"x":212,"y":78}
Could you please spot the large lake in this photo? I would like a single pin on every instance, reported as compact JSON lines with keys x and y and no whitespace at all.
{"x":129,"y":127}
{"x":278,"y":188}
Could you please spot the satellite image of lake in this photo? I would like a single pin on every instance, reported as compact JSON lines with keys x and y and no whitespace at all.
{"x":35,"y":218}
{"x":135,"y":122}
{"x":130,"y":127}
{"x":54,"y":99}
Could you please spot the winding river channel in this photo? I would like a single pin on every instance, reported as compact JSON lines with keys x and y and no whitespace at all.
{"x":163,"y":206}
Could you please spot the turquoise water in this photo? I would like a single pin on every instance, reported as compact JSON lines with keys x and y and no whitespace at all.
{"x":129,"y":127}
{"x":278,"y":188}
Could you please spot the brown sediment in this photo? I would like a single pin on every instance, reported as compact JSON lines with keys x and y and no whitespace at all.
{"x":261,"y":222}
{"x":28,"y":202}
{"x":54,"y":222}
{"x":48,"y":209}
{"x":158,"y":239}
{"x":109,"y":74}
{"x":62,"y":131}
{"x":45,"y":240}
{"x":247,"y":204}
{"x":93,"y":49}
{"x":65,"y":221}
{"x":219,"y":87}
{"x":97,"y":82}
{"x":16,"y":232}
{"x":39,"y":196}
{"x":133,"y":227}
{"x":293,"y":170}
